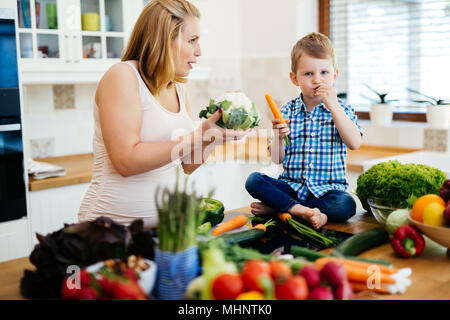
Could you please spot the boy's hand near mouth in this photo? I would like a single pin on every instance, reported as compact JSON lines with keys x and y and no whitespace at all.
{"x":328,"y":95}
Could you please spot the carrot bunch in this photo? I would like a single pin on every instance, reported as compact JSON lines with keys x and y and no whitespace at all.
{"x":306,"y":231}
{"x":364,"y":276}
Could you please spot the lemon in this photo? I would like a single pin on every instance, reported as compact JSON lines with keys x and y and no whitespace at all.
{"x":433,"y":214}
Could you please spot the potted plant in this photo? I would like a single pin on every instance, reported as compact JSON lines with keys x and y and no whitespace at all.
{"x":438,"y":110}
{"x":381,"y":110}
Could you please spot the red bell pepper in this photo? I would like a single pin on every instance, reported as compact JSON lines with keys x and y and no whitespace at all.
{"x":407,"y":241}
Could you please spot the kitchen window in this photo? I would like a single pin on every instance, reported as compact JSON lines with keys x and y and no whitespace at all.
{"x":390,"y":45}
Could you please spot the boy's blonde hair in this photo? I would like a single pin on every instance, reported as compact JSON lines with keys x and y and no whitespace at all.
{"x":160,"y":22}
{"x":314,"y":44}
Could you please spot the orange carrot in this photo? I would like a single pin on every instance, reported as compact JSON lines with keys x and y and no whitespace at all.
{"x":362,"y":264}
{"x":357,"y":273}
{"x":264,"y":226}
{"x":273,"y":107}
{"x":358,"y":286}
{"x":276,"y":113}
{"x":231,"y":224}
{"x":260,"y":226}
{"x":283,"y":216}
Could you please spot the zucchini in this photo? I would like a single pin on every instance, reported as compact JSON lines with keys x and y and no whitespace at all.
{"x":312,"y":255}
{"x":242,"y":237}
{"x":308,"y":254}
{"x":361,"y":242}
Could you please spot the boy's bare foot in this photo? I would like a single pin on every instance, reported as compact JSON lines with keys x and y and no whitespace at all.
{"x":259,"y":208}
{"x":312,"y":215}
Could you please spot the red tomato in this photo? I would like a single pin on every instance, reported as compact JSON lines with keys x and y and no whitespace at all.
{"x":295,"y":288}
{"x":227,"y":286}
{"x":279,"y":271}
{"x":252,"y":271}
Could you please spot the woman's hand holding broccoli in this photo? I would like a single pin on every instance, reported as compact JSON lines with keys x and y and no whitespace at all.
{"x":212,"y":133}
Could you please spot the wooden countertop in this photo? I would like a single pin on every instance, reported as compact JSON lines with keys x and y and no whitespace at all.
{"x":430,"y":276}
{"x":78,"y":167}
{"x":253,"y":149}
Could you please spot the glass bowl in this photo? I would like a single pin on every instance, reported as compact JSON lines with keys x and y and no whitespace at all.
{"x":382,"y":208}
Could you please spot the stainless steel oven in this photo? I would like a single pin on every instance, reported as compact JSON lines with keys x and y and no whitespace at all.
{"x":12,"y":174}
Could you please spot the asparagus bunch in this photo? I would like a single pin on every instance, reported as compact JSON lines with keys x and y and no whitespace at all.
{"x":180,"y":214}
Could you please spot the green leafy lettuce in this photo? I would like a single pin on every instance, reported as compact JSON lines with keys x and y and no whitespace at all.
{"x":398,"y":182}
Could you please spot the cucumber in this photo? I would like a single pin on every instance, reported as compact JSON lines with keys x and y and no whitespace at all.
{"x":361,"y":242}
{"x":308,"y":254}
{"x":312,"y":255}
{"x":242,"y":237}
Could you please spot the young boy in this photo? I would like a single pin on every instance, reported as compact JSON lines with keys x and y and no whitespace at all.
{"x":312,"y":185}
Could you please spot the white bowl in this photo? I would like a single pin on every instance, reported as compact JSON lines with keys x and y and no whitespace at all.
{"x":147,"y":277}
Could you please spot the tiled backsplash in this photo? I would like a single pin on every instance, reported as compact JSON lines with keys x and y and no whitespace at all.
{"x":58,"y":120}
{"x":63,"y":97}
{"x":436,"y":140}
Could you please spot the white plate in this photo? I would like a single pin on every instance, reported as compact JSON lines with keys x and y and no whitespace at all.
{"x":146,"y":278}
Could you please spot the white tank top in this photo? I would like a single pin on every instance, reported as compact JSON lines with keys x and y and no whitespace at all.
{"x":125,"y":199}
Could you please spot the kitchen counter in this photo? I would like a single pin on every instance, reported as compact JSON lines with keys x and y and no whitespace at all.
{"x":254,"y":149}
{"x":78,"y":167}
{"x":430,"y":276}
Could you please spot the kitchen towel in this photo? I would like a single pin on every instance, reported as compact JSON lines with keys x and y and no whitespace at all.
{"x":42,"y":170}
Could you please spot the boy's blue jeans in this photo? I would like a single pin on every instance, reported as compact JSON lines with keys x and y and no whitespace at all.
{"x":338,"y":205}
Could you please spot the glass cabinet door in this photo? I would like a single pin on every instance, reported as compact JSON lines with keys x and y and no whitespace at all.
{"x":38,"y":28}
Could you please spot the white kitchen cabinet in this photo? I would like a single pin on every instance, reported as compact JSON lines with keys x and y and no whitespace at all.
{"x":61,"y":50}
{"x":228,"y":181}
{"x":14,"y":239}
{"x":50,"y":209}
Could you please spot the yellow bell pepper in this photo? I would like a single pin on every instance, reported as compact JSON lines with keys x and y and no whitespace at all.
{"x":250,"y":295}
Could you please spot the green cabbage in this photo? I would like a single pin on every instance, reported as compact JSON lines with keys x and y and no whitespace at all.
{"x":398,"y":182}
{"x":396,"y":219}
{"x":239,"y":113}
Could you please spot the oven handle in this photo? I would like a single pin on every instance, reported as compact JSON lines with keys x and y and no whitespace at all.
{"x":10,"y":127}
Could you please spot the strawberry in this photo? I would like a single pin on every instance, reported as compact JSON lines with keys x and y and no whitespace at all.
{"x":69,"y":294}
{"x":85,"y":278}
{"x":87,"y":294}
{"x":128,"y":291}
{"x":131,"y":274}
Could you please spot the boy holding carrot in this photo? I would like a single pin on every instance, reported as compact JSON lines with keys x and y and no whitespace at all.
{"x":321,"y":127}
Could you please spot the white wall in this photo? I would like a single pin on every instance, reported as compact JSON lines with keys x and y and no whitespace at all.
{"x":246,"y":43}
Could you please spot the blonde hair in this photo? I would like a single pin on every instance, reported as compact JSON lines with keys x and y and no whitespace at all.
{"x":160,"y":22}
{"x":314,"y":44}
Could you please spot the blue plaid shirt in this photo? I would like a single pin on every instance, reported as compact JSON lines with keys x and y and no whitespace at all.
{"x":315,"y":161}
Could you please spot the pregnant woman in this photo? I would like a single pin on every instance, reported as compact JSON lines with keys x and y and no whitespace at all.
{"x":143,"y":132}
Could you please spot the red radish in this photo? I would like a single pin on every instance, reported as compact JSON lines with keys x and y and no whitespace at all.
{"x":311,"y":275}
{"x":321,"y":293}
{"x":333,"y":273}
{"x":343,"y":291}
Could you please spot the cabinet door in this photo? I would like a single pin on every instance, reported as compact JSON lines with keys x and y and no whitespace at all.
{"x":78,"y":45}
{"x":50,"y":209}
{"x":14,"y":240}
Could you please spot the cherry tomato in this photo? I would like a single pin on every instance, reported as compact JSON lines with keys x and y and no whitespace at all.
{"x":227,"y":286}
{"x":295,"y":288}
{"x":279,"y":271}
{"x":252,"y":271}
